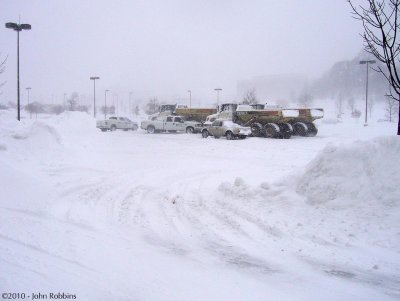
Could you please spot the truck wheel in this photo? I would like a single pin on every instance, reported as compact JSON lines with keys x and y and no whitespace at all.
{"x":151,"y":129}
{"x":134,"y":128}
{"x":300,"y":128}
{"x":256,"y":129}
{"x":286,"y":130}
{"x":190,"y":130}
{"x":271,"y":130}
{"x":104,"y":130}
{"x":205,"y":134}
{"x":312,"y":129}
{"x":230,"y":136}
{"x":113,"y":127}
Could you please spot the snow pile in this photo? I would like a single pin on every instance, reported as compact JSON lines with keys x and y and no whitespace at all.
{"x":75,"y":123}
{"x":26,"y":137}
{"x":46,"y":135}
{"x":357,"y":173}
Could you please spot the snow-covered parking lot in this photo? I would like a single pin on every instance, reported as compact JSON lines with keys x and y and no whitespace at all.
{"x":134,"y":216}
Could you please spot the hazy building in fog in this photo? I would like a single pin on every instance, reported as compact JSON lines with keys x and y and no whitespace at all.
{"x":279,"y":88}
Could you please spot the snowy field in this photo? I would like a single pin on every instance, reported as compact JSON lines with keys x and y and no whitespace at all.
{"x":133,"y":216}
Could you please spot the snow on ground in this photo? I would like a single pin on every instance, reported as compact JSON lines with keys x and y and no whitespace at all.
{"x":132,"y":216}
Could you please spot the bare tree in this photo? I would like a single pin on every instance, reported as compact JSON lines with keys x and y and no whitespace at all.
{"x":110,"y":110}
{"x":305,"y":99}
{"x":57,"y":109}
{"x":72,"y":101}
{"x":2,"y":67}
{"x":339,"y":105}
{"x":381,"y":24}
{"x":250,"y":97}
{"x":371,"y":103}
{"x":351,"y":103}
{"x":34,"y":107}
{"x":152,"y":106}
{"x":390,"y":109}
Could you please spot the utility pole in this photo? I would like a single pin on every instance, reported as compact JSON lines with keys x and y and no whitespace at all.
{"x":366,"y":89}
{"x":18,"y":28}
{"x":94,"y":94}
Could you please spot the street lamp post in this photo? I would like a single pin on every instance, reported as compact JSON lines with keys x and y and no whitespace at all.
{"x":218,"y":90}
{"x":28,"y":89}
{"x":94,"y":94}
{"x":190,"y":98}
{"x":130,"y":105}
{"x":105,"y":104}
{"x":18,"y":28}
{"x":366,"y":89}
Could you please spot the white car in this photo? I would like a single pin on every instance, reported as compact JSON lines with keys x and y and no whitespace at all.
{"x":226,"y":128}
{"x":115,"y":123}
{"x":168,"y":124}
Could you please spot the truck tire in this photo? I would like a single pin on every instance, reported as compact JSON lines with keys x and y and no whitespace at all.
{"x":134,"y":128}
{"x":151,"y":129}
{"x":256,"y":129}
{"x":205,"y":134}
{"x":286,"y":130}
{"x":113,"y":128}
{"x":271,"y":130}
{"x":300,"y":128}
{"x":312,"y":129}
{"x":190,"y":130}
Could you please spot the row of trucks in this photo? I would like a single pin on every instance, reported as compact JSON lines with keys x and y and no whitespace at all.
{"x":261,"y":119}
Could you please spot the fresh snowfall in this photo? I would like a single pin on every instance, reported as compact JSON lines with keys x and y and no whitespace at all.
{"x":128,"y":215}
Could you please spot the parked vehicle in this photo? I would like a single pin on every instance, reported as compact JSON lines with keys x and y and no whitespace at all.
{"x":117,"y":123}
{"x":197,"y":115}
{"x":226,"y":128}
{"x":271,"y":121}
{"x":167,"y":124}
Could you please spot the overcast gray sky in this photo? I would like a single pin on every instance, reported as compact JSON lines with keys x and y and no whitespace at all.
{"x":163,"y":48}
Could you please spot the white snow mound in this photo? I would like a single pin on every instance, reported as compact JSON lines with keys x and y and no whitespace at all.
{"x":360,"y":172}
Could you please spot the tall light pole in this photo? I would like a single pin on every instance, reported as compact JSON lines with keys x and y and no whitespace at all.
{"x":190,"y":98}
{"x":94,"y":94}
{"x":18,"y":28}
{"x":28,"y":89}
{"x":105,"y":104}
{"x":366,"y":89}
{"x":218,"y":90}
{"x":130,"y":106}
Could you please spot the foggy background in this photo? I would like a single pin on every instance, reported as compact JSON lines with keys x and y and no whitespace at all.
{"x":163,"y":49}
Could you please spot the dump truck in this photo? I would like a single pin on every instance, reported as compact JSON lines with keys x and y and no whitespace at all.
{"x":270,"y":121}
{"x":197,"y":115}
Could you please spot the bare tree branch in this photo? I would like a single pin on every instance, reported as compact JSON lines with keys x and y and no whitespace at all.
{"x":381,"y":28}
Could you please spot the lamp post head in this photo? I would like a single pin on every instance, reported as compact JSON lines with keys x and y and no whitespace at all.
{"x":18,"y":27}
{"x":217,"y":89}
{"x":11,"y":25}
{"x":94,"y":77}
{"x":28,"y":88}
{"x":368,"y":62}
{"x":25,"y":26}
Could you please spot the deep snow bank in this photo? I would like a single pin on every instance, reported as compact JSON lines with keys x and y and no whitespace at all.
{"x":360,"y":172}
{"x":49,"y":134}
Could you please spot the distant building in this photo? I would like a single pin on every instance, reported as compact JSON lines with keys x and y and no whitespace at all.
{"x":280,"y":88}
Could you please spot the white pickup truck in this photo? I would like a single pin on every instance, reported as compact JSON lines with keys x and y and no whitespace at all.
{"x":114,"y":123}
{"x":168,"y":124}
